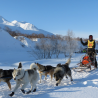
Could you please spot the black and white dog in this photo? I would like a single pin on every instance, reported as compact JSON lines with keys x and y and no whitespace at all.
{"x":62,"y":70}
{"x":24,"y":77}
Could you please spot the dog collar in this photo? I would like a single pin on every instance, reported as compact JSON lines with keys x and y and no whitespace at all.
{"x":23,"y":76}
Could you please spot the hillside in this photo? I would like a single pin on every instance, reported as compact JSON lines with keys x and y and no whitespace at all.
{"x":8,"y":43}
{"x":12,"y":49}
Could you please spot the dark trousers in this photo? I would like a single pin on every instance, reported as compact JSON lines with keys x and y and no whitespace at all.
{"x":92,"y":55}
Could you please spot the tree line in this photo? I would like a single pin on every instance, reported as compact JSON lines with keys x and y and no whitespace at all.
{"x":53,"y":47}
{"x":33,"y":35}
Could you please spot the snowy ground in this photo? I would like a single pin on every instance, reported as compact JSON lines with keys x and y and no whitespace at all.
{"x":12,"y":51}
{"x":84,"y":84}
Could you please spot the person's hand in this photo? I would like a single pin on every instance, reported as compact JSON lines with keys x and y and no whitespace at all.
{"x":80,"y":39}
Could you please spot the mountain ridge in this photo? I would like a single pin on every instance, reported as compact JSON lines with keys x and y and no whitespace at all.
{"x":23,"y":27}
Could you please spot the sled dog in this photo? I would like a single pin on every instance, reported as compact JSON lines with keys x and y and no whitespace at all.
{"x":45,"y":70}
{"x":62,"y":70}
{"x":6,"y":76}
{"x":24,"y":77}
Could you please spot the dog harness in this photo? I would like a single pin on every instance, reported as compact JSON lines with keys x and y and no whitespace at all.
{"x":90,"y":44}
{"x":23,"y":75}
{"x":5,"y":77}
{"x":47,"y":68}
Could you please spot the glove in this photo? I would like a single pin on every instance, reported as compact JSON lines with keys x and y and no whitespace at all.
{"x":80,"y":39}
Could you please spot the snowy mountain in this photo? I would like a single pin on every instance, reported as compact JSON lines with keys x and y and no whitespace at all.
{"x":23,"y":27}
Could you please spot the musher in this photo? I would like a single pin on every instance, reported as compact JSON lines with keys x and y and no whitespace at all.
{"x":91,"y":49}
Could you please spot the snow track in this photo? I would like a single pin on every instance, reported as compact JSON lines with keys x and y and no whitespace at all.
{"x":84,"y":84}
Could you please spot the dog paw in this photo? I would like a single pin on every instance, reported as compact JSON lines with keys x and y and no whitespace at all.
{"x":11,"y":94}
{"x":28,"y":92}
{"x":56,"y":84}
{"x":23,"y":91}
{"x":34,"y":90}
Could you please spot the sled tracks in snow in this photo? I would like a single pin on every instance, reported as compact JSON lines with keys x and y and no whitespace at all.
{"x":83,"y":69}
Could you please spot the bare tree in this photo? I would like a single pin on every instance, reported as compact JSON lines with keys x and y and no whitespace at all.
{"x":42,"y":48}
{"x":7,"y":29}
{"x":46,"y":47}
{"x":71,"y":43}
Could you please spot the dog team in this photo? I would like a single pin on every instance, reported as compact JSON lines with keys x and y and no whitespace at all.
{"x":24,"y":77}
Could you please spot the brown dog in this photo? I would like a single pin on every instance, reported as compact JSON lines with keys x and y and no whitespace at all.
{"x":45,"y":70}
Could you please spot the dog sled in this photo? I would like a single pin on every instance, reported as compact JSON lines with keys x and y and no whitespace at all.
{"x":86,"y":63}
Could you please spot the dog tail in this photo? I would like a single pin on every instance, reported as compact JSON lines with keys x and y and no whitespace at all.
{"x":33,"y":66}
{"x":68,"y":61}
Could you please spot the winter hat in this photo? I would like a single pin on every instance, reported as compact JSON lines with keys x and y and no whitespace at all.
{"x":91,"y":37}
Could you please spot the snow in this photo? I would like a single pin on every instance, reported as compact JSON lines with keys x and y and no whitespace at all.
{"x":25,"y":26}
{"x":7,"y":42}
{"x":84,"y":84}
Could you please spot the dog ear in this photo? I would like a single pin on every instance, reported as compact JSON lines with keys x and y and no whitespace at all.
{"x":36,"y":63}
{"x":59,"y":65}
{"x":20,"y":65}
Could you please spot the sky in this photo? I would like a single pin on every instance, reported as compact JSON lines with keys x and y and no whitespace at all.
{"x":55,"y":16}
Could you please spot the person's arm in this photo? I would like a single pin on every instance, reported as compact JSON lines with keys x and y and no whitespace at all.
{"x":83,"y":42}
